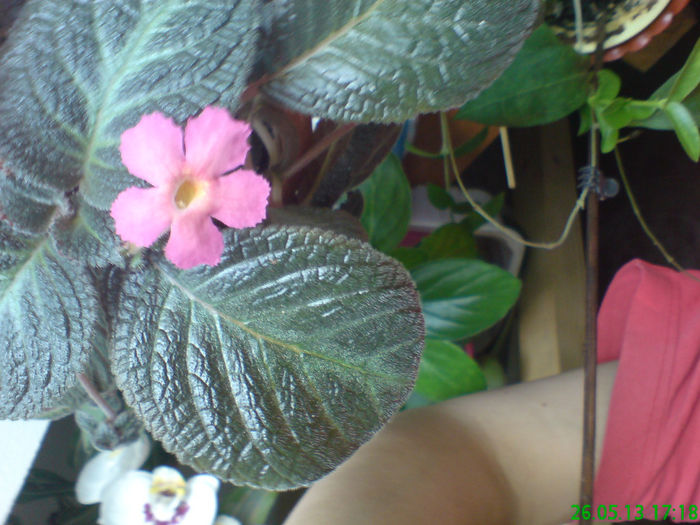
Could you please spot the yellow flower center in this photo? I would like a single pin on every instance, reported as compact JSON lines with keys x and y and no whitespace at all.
{"x":187,"y":192}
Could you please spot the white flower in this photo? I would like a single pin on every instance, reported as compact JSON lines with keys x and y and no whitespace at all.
{"x":161,"y":498}
{"x":226,"y":520}
{"x":105,"y":467}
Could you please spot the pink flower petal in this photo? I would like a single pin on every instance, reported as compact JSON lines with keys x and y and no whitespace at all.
{"x":241,"y":199}
{"x":141,"y":215}
{"x":194,"y":240}
{"x":215,"y":143}
{"x":152,"y":150}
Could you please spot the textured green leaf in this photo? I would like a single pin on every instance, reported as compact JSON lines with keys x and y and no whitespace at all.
{"x":49,"y":316}
{"x":546,"y":81}
{"x":27,"y":208}
{"x":337,"y":221}
{"x":462,"y":297}
{"x":685,"y":127}
{"x":77,"y":73}
{"x":271,"y":368}
{"x":387,"y":212}
{"x":87,"y":235}
{"x":387,"y":60}
{"x":446,"y":371}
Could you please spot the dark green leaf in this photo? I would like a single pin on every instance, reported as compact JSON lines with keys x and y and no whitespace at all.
{"x":685,"y":127}
{"x":452,"y":240}
{"x":49,"y":316}
{"x":29,"y":209}
{"x":546,"y":81}
{"x":462,"y":297}
{"x":473,"y":143}
{"x":585,"y":119}
{"x":609,"y":85}
{"x":387,"y":212}
{"x":439,"y":197}
{"x":409,"y":257}
{"x":76,"y":73}
{"x":87,"y":235}
{"x":474,"y":220}
{"x":250,"y":506}
{"x":446,"y":371}
{"x":688,"y":77}
{"x":609,"y":134}
{"x":271,"y":368}
{"x":388,"y":60}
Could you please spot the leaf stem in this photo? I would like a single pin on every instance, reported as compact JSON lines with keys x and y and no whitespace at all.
{"x":96,"y":397}
{"x":578,"y":206}
{"x":637,"y":213}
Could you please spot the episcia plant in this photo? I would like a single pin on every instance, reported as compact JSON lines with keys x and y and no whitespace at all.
{"x":146,"y":266}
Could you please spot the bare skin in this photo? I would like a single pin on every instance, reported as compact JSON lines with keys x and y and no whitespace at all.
{"x":506,"y":456}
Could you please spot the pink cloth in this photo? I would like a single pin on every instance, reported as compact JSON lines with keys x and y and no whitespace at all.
{"x":650,"y":322}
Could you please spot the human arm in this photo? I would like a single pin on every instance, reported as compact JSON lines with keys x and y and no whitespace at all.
{"x":510,"y":455}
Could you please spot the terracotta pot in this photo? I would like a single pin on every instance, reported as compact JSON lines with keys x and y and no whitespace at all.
{"x":631,"y":26}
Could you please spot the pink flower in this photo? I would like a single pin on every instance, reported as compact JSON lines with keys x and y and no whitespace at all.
{"x":193,"y":180}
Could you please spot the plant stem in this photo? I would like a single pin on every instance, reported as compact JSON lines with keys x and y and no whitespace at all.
{"x":94,"y":394}
{"x":590,"y":349}
{"x":643,"y":223}
{"x":580,"y":202}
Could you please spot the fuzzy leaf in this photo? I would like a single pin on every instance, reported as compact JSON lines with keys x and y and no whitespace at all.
{"x":462,"y":297}
{"x":77,"y":73}
{"x":274,"y":366}
{"x":388,"y":60}
{"x":49,"y":317}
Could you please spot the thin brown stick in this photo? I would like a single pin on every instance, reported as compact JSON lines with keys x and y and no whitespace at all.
{"x":318,"y":148}
{"x":507,"y":157}
{"x":590,"y":346}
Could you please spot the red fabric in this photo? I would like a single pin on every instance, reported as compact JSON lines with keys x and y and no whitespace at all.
{"x":650,"y":322}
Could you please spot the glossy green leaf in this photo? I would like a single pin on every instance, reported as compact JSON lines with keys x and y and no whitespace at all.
{"x":274,"y":366}
{"x":546,"y":81}
{"x":410,"y":257}
{"x":388,"y":60}
{"x":439,"y":197}
{"x":76,"y":73}
{"x":609,"y":85}
{"x":387,"y":211}
{"x":49,"y":316}
{"x":688,"y":77}
{"x":446,"y":371}
{"x":462,"y":297}
{"x":452,"y":240}
{"x":659,"y":119}
{"x":685,"y":127}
